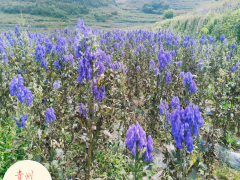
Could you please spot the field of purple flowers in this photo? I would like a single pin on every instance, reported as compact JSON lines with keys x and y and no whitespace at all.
{"x":67,"y":90}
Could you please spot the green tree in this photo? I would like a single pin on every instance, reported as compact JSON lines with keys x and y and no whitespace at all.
{"x":168,"y":14}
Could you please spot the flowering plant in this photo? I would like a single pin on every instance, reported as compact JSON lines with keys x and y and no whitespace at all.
{"x":136,"y":139}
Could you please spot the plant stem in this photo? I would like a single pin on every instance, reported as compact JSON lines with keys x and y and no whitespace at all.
{"x":135,"y":172}
{"x":90,"y":155}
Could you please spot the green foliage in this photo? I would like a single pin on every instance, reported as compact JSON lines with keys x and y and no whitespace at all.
{"x":54,"y":8}
{"x":115,"y":13}
{"x":226,"y":23}
{"x":100,"y":18}
{"x":156,"y":7}
{"x":111,"y":163}
{"x":230,"y":139}
{"x":168,"y":14}
{"x":205,"y":31}
{"x":10,"y":152}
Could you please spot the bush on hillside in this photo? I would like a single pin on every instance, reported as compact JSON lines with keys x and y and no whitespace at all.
{"x":168,"y":14}
{"x":114,"y":13}
{"x":100,"y":18}
{"x":156,"y":7}
{"x":57,"y":10}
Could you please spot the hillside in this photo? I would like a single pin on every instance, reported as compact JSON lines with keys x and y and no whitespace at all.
{"x":104,"y":14}
{"x":214,"y":19}
{"x":180,"y":6}
{"x":52,"y":8}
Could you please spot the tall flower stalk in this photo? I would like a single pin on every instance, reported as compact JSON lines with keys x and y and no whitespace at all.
{"x":136,"y":142}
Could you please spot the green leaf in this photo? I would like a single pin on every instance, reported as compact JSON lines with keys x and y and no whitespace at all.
{"x":43,"y":135}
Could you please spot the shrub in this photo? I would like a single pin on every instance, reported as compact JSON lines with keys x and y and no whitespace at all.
{"x":114,"y":13}
{"x":100,"y":18}
{"x":168,"y":14}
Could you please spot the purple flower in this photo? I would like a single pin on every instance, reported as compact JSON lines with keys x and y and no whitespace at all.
{"x":57,"y":65}
{"x":210,"y":39}
{"x":136,"y":137}
{"x":102,"y":92}
{"x":56,"y":84}
{"x":138,"y":68}
{"x":46,"y":82}
{"x":186,"y":43}
{"x":84,"y":110}
{"x":233,"y":46}
{"x":234,"y":69}
{"x":179,"y":63}
{"x":225,"y":41}
{"x":20,"y":81}
{"x":85,"y":70}
{"x":44,"y":63}
{"x":21,"y":121}
{"x":222,"y":38}
{"x":181,"y":74}
{"x":148,"y":152}
{"x":48,"y":45}
{"x":130,"y":46}
{"x":39,"y":52}
{"x":101,"y":68}
{"x":65,"y":59}
{"x":20,"y":94}
{"x":161,"y":108}
{"x":198,"y":66}
{"x":168,"y":77}
{"x":173,"y":53}
{"x":29,"y":96}
{"x":185,"y":124}
{"x":151,"y":65}
{"x":175,"y":102}
{"x":13,"y":86}
{"x":17,"y":31}
{"x":164,"y":58}
{"x":50,"y":115}
{"x":97,"y":94}
{"x":156,"y":71}
{"x":189,"y":83}
{"x":70,"y":58}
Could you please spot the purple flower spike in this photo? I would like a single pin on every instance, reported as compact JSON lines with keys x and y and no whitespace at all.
{"x":50,"y":115}
{"x":168,"y":77}
{"x":179,"y":63}
{"x":136,"y":137}
{"x":56,"y":84}
{"x":21,"y":121}
{"x":189,"y":83}
{"x":13,"y":86}
{"x":148,"y":152}
{"x":175,"y":102}
{"x":161,"y":108}
{"x":222,"y":38}
{"x":151,"y":65}
{"x":29,"y":96}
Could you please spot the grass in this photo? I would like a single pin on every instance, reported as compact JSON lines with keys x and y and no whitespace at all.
{"x":223,"y":172}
